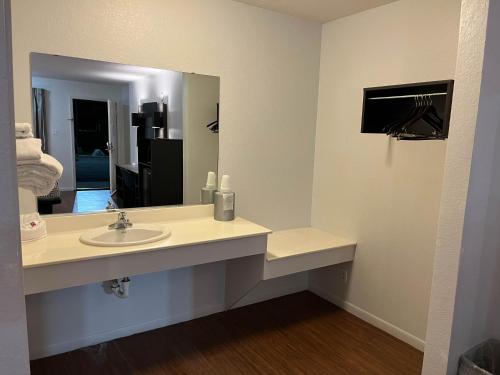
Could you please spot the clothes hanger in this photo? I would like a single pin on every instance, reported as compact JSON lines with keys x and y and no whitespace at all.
{"x":427,"y":109}
{"x":432,"y":116}
{"x":392,"y":127}
{"x":423,"y":110}
{"x":213,"y":126}
{"x":403,"y":131}
{"x":414,"y":116}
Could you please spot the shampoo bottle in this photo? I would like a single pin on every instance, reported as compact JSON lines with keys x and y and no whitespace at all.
{"x":207,"y":192}
{"x":224,"y":201}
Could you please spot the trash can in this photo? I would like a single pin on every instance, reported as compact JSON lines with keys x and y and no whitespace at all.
{"x":483,"y":359}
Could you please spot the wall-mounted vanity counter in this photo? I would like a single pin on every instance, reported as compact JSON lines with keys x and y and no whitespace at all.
{"x":304,"y":249}
{"x":60,"y":260}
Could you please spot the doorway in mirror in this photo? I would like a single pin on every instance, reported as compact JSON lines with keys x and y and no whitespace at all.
{"x":91,"y":144}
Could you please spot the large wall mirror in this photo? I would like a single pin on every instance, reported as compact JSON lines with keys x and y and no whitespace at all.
{"x":127,"y":136}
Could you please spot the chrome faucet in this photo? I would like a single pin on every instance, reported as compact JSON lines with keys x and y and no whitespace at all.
{"x":122,"y":223}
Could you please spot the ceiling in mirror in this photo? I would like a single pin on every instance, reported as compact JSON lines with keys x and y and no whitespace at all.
{"x":127,"y":136}
{"x":84,"y":70}
{"x":317,"y":10}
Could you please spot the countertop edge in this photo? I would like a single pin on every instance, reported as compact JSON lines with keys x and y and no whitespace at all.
{"x":266,"y":231}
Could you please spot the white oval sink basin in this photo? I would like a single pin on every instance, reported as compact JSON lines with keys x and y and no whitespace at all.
{"x":136,"y":235}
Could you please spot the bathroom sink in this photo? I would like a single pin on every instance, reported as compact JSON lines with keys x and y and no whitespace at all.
{"x":136,"y":235}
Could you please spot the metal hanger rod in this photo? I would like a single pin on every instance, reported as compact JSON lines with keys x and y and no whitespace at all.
{"x":408,"y":96}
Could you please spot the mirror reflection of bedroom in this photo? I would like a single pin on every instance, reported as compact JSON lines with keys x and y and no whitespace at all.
{"x":83,"y":111}
{"x":81,"y":141}
{"x":74,"y":102}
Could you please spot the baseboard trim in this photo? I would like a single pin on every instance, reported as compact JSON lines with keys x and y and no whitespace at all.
{"x":385,"y":326}
{"x":82,"y":342}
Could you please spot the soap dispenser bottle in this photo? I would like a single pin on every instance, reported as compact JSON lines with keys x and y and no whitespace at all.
{"x":207,"y":192}
{"x":224,"y":201}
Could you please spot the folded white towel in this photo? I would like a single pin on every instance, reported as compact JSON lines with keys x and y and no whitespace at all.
{"x":45,"y":166}
{"x":23,"y":130}
{"x":28,"y":149}
{"x":40,"y":176}
{"x":38,"y":186}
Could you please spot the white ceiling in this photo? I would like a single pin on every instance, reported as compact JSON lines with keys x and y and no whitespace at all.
{"x":317,"y":10}
{"x":74,"y":69}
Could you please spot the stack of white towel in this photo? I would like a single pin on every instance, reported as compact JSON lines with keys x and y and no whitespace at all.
{"x":36,"y":171}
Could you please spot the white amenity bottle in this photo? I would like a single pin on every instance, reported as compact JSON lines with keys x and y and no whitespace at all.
{"x":207,"y":192}
{"x":224,"y":201}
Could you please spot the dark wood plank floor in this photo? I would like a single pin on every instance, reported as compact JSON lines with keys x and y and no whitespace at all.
{"x":296,"y":334}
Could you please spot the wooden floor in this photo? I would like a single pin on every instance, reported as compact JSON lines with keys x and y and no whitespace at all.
{"x":82,"y":201}
{"x":296,"y":334}
{"x":67,"y":202}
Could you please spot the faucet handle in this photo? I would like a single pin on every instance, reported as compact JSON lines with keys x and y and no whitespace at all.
{"x":122,"y":223}
{"x":111,"y":206}
{"x":122,"y":216}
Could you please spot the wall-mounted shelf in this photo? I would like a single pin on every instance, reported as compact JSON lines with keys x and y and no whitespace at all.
{"x":303,"y":249}
{"x":410,"y":111}
{"x":288,"y":252}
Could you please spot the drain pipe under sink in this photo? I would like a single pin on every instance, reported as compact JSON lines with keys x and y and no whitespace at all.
{"x":120,"y":287}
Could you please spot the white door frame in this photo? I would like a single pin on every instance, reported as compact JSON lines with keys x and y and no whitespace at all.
{"x":113,"y":141}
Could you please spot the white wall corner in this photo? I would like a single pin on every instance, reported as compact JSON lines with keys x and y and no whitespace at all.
{"x":449,"y":247}
{"x":13,"y":333}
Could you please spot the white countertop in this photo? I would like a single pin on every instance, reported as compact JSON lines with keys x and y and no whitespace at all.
{"x":304,"y":249}
{"x":300,"y":241}
{"x":62,"y":244}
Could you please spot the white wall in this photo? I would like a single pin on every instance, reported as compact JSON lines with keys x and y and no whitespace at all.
{"x":59,"y":111}
{"x":268,"y":64}
{"x":13,"y":337}
{"x":200,"y":145}
{"x":383,"y":193}
{"x":477,"y":302}
{"x":165,"y":86}
{"x":465,"y":301}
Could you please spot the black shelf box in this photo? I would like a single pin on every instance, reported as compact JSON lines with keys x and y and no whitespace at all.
{"x":151,"y":117}
{"x":383,"y":106}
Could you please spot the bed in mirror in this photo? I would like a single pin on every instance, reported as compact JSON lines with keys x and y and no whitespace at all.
{"x":127,"y":136}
